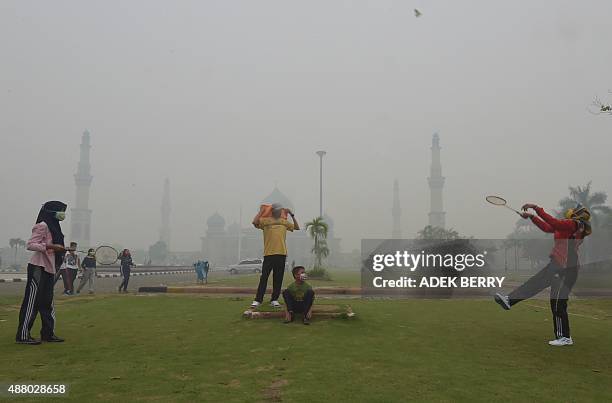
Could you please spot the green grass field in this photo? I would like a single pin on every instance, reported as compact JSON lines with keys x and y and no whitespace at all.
{"x":196,"y":348}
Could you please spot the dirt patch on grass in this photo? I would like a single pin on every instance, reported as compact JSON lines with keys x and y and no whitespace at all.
{"x":273,"y":392}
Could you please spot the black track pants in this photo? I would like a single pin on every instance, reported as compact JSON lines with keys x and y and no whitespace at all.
{"x":38,"y":298}
{"x":560,"y":281}
{"x":275,"y":264}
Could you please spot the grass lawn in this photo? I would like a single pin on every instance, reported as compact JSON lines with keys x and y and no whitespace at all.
{"x":198,"y":348}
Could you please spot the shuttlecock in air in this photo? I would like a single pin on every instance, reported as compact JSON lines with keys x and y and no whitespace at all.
{"x":417,"y":13}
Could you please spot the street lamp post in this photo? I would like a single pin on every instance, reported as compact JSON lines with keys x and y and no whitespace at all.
{"x":240,"y":236}
{"x":321,"y":154}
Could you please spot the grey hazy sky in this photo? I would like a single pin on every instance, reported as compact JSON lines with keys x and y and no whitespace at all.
{"x":228,"y":97}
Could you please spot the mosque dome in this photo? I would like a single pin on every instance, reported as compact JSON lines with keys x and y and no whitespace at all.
{"x":215,"y":221}
{"x":278,"y":197}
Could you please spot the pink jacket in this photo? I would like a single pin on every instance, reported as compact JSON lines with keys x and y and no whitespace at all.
{"x":41,"y":237}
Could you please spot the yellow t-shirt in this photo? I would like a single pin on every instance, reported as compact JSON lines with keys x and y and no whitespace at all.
{"x":274,"y":234}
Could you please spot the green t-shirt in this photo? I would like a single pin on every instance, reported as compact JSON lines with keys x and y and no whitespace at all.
{"x":298,"y":290}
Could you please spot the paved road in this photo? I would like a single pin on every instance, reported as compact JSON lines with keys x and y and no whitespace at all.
{"x":105,"y":285}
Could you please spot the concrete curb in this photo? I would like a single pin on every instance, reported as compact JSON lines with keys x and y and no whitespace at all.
{"x":243,"y":290}
{"x":149,"y":273}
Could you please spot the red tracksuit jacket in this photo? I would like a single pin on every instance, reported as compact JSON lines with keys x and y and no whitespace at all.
{"x":563,"y":230}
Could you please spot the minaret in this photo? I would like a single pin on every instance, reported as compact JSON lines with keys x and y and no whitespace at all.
{"x":80,"y":214}
{"x":436,"y":183}
{"x":396,"y":213}
{"x":164,"y":233}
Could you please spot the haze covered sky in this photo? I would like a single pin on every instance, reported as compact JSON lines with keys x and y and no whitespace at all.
{"x":227,"y":98}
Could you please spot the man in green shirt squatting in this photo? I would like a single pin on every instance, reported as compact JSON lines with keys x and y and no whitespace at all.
{"x":299,"y":297}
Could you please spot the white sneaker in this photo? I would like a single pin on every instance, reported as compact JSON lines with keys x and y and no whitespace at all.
{"x":275,"y":304}
{"x":562,"y":341}
{"x":503,"y":301}
{"x":255,"y":304}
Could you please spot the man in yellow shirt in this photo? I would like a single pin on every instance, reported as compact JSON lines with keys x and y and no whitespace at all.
{"x":275,"y":251}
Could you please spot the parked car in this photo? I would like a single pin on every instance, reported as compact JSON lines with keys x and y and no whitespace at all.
{"x":246,"y":266}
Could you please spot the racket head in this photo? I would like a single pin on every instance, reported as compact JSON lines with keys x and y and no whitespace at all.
{"x":496,"y":200}
{"x":106,"y":255}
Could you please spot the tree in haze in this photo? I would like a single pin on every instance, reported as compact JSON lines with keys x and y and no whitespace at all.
{"x":595,"y":202}
{"x":437,"y":233}
{"x":158,"y":252}
{"x":317,"y":229}
{"x":15,"y":244}
{"x":607,"y":223}
{"x":532,"y":243}
{"x":601,"y":107}
{"x":597,"y":245}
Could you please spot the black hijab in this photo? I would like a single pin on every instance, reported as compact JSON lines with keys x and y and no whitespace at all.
{"x":47,"y":215}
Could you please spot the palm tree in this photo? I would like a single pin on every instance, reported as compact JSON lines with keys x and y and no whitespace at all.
{"x":321,"y":251}
{"x":317,"y":229}
{"x":595,"y":202}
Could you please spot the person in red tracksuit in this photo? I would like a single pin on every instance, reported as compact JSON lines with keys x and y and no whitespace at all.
{"x":562,"y":271}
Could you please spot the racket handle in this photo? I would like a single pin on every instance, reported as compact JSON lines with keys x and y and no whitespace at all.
{"x":510,"y":208}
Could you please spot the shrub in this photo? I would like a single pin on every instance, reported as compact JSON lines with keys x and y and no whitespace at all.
{"x":319,"y":273}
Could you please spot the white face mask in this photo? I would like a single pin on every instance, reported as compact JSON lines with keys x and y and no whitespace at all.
{"x":60,"y":215}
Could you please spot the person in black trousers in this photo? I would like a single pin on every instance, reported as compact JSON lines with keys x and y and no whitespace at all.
{"x":275,"y":251}
{"x":47,"y":243}
{"x":299,"y":297}
{"x":125,"y":268}
{"x":562,"y":271}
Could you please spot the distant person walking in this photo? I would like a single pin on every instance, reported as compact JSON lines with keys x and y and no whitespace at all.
{"x":199,"y":271}
{"x":201,"y":268}
{"x":89,"y":271}
{"x":47,"y":243}
{"x":205,"y":269}
{"x":125,"y":268}
{"x":72,"y":265}
{"x":65,"y":271}
{"x":275,"y":251}
{"x":74,"y":268}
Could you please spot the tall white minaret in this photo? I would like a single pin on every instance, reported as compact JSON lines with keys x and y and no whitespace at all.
{"x":80,"y":214}
{"x":436,"y":183}
{"x":396,"y":213}
{"x":164,"y":233}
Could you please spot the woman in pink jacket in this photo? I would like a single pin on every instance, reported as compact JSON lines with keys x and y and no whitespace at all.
{"x":47,"y":243}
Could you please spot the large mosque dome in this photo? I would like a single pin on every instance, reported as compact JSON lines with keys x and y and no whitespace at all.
{"x":215,"y":220}
{"x":216,"y":224}
{"x":278,"y":197}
